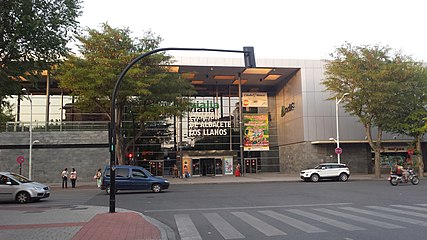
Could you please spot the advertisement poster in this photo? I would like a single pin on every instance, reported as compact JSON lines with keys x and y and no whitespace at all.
{"x":228,"y":162}
{"x":256,"y":133}
{"x":254,"y":99}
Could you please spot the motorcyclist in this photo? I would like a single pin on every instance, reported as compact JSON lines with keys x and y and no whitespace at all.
{"x":400,"y":171}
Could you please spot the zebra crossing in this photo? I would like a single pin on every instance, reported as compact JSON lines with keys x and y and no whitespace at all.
{"x":308,"y":220}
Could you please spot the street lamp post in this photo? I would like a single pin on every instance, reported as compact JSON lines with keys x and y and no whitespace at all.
{"x":249,"y":59}
{"x":337,"y":102}
{"x":30,"y":98}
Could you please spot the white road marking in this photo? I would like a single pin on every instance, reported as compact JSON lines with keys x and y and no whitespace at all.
{"x":186,"y":228}
{"x":359,"y":219}
{"x":386,"y":216}
{"x":243,"y":208}
{"x":259,"y":225}
{"x":404,"y":212}
{"x":326,"y":220}
{"x":411,"y":207}
{"x":293,"y":222}
{"x":223,"y":227}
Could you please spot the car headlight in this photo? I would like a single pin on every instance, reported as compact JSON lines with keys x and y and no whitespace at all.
{"x":166,"y":181}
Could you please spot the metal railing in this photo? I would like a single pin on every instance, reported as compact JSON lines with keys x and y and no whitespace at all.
{"x":40,"y":126}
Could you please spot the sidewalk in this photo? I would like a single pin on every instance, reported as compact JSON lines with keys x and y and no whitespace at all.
{"x":93,"y":222}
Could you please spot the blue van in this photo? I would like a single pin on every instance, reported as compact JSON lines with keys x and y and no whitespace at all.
{"x":133,"y":178}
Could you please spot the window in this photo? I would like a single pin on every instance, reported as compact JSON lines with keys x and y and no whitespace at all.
{"x":122,"y":172}
{"x":3,"y":180}
{"x":136,"y":173}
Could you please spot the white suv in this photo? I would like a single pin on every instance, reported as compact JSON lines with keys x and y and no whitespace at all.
{"x":326,"y":171}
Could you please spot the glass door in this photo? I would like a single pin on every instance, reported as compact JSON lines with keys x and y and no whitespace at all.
{"x":207,"y":166}
{"x":156,"y":168}
{"x":250,"y":165}
{"x":218,"y":166}
{"x":196,"y":167}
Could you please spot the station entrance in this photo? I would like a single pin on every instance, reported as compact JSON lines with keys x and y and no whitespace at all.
{"x":207,"y":166}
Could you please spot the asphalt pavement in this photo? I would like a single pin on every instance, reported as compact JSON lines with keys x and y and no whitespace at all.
{"x":64,"y":222}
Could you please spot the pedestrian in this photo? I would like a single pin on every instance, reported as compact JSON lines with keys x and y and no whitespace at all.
{"x":64,"y":176}
{"x":237,"y":174}
{"x":98,"y":177}
{"x":73,"y":178}
{"x":175,"y":171}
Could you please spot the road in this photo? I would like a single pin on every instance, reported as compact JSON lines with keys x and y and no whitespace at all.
{"x":287,"y":210}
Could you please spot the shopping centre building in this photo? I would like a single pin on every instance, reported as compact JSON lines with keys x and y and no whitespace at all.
{"x":285,"y":124}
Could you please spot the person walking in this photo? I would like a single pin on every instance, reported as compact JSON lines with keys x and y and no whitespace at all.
{"x":73,"y":178}
{"x":64,"y":176}
{"x":175,"y":171}
{"x":98,"y":176}
{"x":237,"y":173}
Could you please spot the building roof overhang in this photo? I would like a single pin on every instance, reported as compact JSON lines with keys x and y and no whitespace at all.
{"x":208,"y":80}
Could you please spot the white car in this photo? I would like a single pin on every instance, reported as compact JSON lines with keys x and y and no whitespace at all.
{"x":326,"y":171}
{"x":14,"y":187}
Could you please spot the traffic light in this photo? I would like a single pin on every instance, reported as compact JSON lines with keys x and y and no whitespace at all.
{"x":130,"y":155}
{"x":249,"y":57}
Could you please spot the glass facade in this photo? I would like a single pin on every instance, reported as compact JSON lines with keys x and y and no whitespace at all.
{"x":208,"y":138}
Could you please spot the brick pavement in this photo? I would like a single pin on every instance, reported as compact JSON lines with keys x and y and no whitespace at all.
{"x":75,"y":223}
{"x":118,"y":226}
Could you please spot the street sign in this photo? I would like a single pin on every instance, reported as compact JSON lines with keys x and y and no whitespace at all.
{"x":338,"y":150}
{"x":20,"y":159}
{"x":411,"y":151}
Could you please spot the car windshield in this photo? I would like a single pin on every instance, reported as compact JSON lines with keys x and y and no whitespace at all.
{"x":148,"y":173}
{"x":20,"y":178}
{"x":319,"y":167}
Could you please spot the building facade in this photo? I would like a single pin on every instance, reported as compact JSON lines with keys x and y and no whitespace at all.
{"x":275,"y":119}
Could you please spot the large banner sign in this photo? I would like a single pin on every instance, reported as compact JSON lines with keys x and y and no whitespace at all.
{"x":203,"y":120}
{"x":256,"y":132}
{"x":254,"y":99}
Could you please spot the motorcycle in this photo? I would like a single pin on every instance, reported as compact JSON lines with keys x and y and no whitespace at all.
{"x":394,"y":179}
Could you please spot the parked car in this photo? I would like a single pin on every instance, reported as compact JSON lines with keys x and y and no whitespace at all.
{"x":326,"y":171}
{"x":133,"y":178}
{"x":14,"y":187}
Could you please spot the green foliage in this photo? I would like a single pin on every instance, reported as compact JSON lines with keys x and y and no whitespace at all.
{"x":106,"y":53}
{"x":377,"y":80}
{"x":384,"y":88}
{"x":413,"y":120}
{"x":34,"y":34}
{"x":148,"y":89}
{"x":33,"y":37}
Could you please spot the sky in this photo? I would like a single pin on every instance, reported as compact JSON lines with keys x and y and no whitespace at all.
{"x":277,"y":29}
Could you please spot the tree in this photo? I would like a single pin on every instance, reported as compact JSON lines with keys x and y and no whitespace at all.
{"x":373,"y":76}
{"x":33,"y":37}
{"x":413,"y":118}
{"x":148,"y":88}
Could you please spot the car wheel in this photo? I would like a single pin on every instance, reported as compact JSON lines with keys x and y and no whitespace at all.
{"x":156,"y":188}
{"x":23,"y":197}
{"x":343,"y":177}
{"x":314,"y":178}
